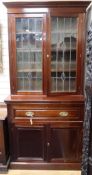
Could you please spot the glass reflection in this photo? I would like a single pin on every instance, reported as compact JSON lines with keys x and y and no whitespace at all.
{"x":63,"y":54}
{"x":29,"y":53}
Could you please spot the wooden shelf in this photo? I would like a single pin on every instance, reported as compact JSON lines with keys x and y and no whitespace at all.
{"x":65,"y":62}
{"x":28,"y":32}
{"x":29,"y":70}
{"x":63,"y":50}
{"x":28,"y":50}
{"x":63,"y":70}
{"x":63,"y":67}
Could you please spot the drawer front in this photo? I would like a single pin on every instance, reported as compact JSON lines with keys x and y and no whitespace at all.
{"x":53,"y":123}
{"x":66,"y":114}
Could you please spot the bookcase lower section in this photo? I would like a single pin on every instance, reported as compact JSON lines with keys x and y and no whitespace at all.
{"x":46,"y":147}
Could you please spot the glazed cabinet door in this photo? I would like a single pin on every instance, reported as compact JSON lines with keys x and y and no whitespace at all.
{"x":27,"y":143}
{"x":46,"y":52}
{"x":65,"y":53}
{"x":28,"y":50}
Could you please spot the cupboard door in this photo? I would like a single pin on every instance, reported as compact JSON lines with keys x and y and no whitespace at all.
{"x":28,"y":57}
{"x":29,"y":53}
{"x":65,"y":54}
{"x":65,"y":144}
{"x":27,"y":143}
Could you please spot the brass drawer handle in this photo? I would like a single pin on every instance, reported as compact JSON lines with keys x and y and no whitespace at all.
{"x":29,"y":114}
{"x":63,"y":114}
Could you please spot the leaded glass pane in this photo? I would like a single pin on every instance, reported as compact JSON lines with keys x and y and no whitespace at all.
{"x":63,"y":54}
{"x":29,"y":54}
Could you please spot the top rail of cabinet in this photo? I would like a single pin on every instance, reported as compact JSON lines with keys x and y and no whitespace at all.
{"x":44,"y":4}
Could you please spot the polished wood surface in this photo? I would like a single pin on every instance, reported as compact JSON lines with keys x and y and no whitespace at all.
{"x":4,"y":145}
{"x":73,"y":11}
{"x":69,"y":4}
{"x":45,"y":128}
{"x":46,"y":143}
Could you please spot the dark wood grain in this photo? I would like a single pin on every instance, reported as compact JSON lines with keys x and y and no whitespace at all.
{"x":4,"y":146}
{"x":46,"y":140}
{"x":57,"y":4}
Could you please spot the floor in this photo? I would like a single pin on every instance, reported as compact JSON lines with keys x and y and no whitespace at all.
{"x":41,"y":172}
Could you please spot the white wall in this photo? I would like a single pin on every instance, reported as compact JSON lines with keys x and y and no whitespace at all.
{"x":4,"y":76}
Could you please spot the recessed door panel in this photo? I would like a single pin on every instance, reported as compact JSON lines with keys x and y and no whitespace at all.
{"x":65,"y":144}
{"x":28,"y":143}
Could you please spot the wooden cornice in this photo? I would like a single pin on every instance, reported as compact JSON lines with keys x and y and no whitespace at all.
{"x":28,"y":4}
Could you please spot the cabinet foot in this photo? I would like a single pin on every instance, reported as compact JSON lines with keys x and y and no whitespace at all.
{"x":4,"y":167}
